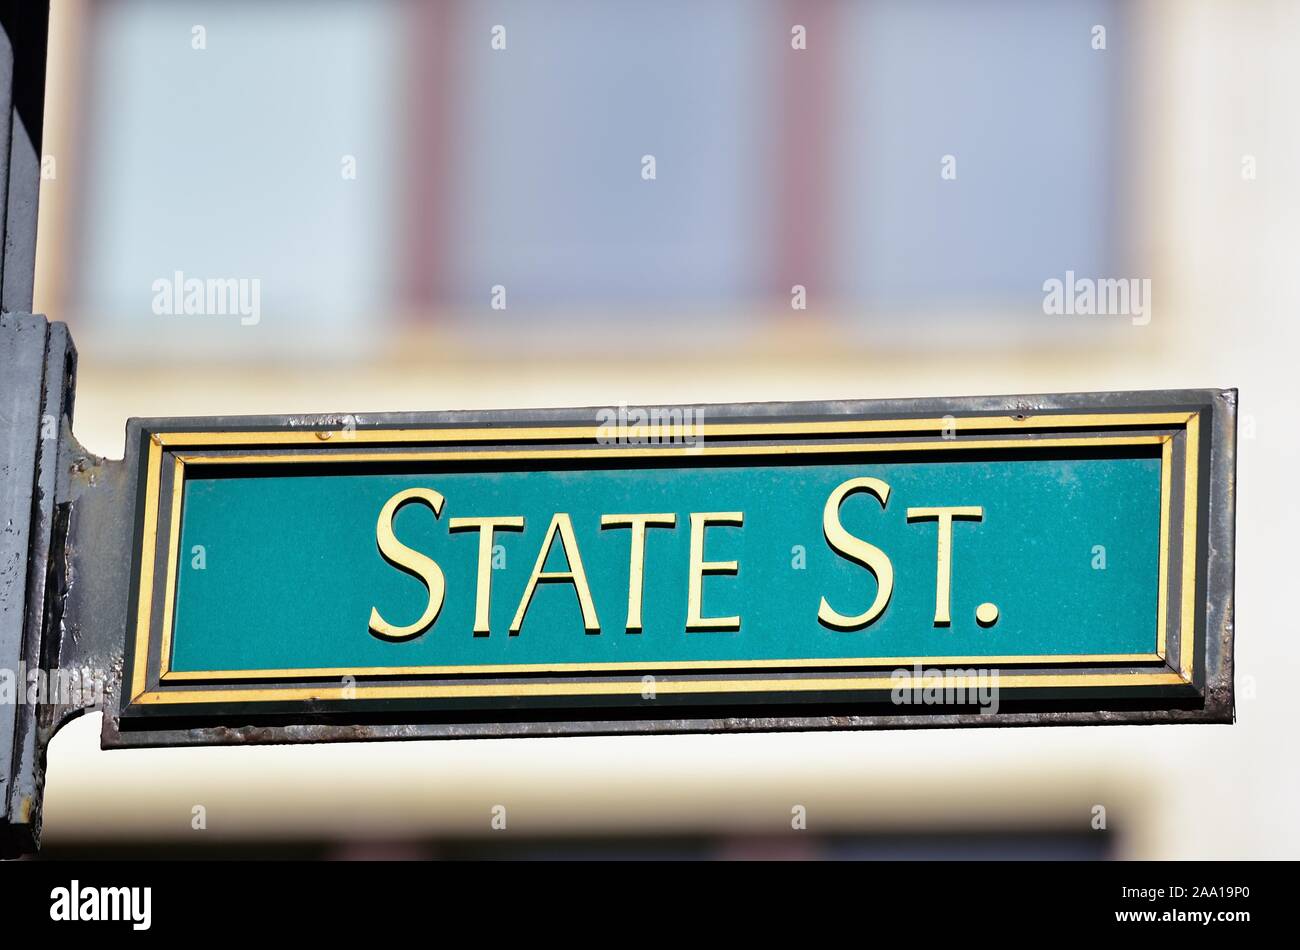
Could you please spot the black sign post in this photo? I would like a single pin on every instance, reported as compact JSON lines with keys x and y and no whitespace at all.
{"x":36,"y":364}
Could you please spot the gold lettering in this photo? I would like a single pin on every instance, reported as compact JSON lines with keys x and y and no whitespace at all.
{"x":486,"y":532}
{"x":411,"y":561}
{"x":636,"y":568}
{"x":700,"y":521}
{"x":563,"y":525}
{"x":943,"y":582}
{"x":859,"y":551}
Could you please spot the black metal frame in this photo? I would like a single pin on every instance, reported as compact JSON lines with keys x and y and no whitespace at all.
{"x":1208,"y":698}
{"x":24,"y":35}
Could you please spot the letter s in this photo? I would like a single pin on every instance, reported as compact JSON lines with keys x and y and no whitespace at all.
{"x":855,"y":549}
{"x":411,"y":561}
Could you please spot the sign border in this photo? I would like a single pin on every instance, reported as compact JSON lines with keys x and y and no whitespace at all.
{"x":162,"y":494}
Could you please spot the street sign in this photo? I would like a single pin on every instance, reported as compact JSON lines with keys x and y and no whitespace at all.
{"x":748,"y":563}
{"x":936,"y":562}
{"x":422,"y":561}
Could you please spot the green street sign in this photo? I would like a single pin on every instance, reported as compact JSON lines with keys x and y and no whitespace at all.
{"x":688,"y":565}
{"x":713,"y":557}
{"x":802,"y":563}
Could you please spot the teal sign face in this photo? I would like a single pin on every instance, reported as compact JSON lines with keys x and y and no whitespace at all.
{"x":284,"y":572}
{"x":511,"y":571}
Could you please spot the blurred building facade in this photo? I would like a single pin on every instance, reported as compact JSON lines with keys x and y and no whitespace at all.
{"x":482,"y":205}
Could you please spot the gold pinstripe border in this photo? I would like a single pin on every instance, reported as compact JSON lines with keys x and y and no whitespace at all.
{"x":315,"y":436}
{"x":883,"y":662}
{"x":1166,"y":501}
{"x":1186,"y":642}
{"x":168,"y":675}
{"x":490,"y":690}
{"x":148,"y":554}
{"x":833,"y":448}
{"x":144,"y":605}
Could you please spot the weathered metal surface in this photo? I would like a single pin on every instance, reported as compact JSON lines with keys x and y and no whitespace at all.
{"x":35,"y":367}
{"x":38,"y":364}
{"x":22,"y":362}
{"x":24,"y":27}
